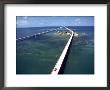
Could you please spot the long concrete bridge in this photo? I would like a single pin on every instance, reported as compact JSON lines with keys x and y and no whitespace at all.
{"x":60,"y":65}
{"x":34,"y":35}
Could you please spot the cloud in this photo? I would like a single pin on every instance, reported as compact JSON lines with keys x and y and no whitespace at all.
{"x":41,"y":23}
{"x":77,"y":22}
{"x":77,"y":19}
{"x":25,"y":17}
{"x":22,"y":23}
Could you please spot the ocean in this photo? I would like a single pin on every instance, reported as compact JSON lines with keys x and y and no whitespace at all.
{"x":81,"y":56}
{"x":38,"y":55}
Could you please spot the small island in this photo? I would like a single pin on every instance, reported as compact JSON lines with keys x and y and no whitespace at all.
{"x":66,"y":33}
{"x":63,"y":33}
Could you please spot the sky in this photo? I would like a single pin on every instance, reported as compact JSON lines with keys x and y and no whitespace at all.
{"x":42,"y":21}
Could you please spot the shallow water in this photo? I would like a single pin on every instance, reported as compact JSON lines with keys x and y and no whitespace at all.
{"x":39,"y":55}
{"x":81,"y":56}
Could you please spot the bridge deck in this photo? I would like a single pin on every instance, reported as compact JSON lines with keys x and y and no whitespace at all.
{"x":60,"y":61}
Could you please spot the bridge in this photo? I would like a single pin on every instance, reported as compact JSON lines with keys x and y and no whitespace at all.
{"x":59,"y":67}
{"x":34,"y":35}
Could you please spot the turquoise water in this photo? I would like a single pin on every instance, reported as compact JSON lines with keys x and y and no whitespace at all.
{"x":39,"y":55}
{"x":81,"y":56}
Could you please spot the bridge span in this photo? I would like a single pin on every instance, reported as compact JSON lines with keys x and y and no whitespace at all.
{"x":36,"y":34}
{"x":59,"y":66}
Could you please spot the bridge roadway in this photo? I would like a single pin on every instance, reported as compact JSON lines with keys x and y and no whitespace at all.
{"x":59,"y":65}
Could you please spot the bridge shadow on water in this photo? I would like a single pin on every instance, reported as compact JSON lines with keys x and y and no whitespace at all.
{"x":61,"y":71}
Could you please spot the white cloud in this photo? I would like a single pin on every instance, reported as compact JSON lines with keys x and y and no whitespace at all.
{"x":78,"y":19}
{"x":22,"y":23}
{"x":77,"y":22}
{"x":25,"y":17}
{"x":41,"y":23}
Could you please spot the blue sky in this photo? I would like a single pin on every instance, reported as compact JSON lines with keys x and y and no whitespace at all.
{"x":42,"y":21}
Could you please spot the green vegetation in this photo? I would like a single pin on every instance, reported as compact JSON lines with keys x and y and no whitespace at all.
{"x":64,"y":33}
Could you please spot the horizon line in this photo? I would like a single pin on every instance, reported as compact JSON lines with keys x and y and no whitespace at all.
{"x":54,"y":26}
